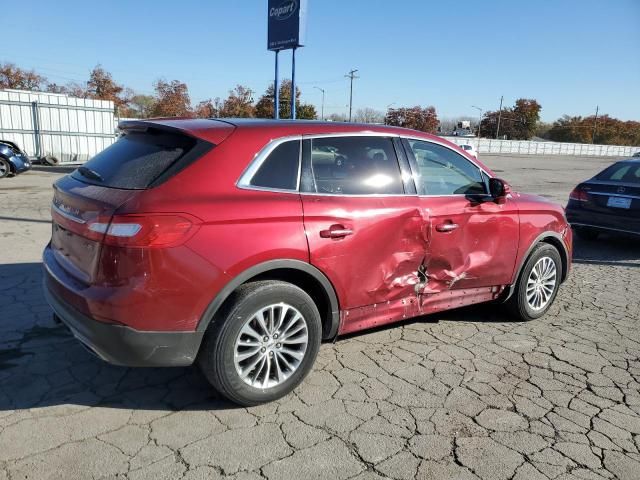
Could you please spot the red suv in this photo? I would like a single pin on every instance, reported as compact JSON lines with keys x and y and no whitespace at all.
{"x":241,"y":244}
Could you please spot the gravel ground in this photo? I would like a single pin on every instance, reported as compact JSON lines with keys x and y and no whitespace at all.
{"x":465,"y":394}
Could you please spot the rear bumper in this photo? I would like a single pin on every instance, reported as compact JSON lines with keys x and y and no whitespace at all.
{"x":600,"y":221}
{"x":121,"y":345}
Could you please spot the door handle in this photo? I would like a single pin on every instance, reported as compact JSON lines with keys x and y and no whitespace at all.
{"x":336,"y":231}
{"x":446,"y":227}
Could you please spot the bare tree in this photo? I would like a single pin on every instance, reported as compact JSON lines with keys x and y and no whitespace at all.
{"x":368,"y":115}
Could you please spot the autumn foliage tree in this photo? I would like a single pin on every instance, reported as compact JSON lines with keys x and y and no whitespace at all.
{"x":419,"y":118}
{"x":12,"y":76}
{"x":172,"y":99}
{"x":101,"y":86}
{"x":519,"y":122}
{"x":604,"y":130}
{"x":239,"y":104}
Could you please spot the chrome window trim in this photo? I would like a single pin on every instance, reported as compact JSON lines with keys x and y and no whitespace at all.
{"x":244,"y":182}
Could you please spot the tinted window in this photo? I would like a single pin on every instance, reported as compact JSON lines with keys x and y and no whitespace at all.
{"x":621,"y":172}
{"x":280,"y":169}
{"x":441,"y":171}
{"x":137,"y":159}
{"x":355,"y":166}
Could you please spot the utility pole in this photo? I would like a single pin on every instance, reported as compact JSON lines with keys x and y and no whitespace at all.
{"x":322,"y":108}
{"x":499,"y":117}
{"x":595,"y":126}
{"x":351,"y":75}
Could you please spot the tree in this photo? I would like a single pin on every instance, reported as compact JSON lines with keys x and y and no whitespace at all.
{"x":368,"y":115}
{"x":239,"y":103}
{"x":337,"y":117}
{"x":264,"y":106}
{"x":172,"y":99}
{"x":518,"y":122}
{"x":101,"y":86}
{"x":608,"y":130}
{"x":15,"y":77}
{"x":142,"y":106}
{"x":418,"y":118}
{"x":208,"y":108}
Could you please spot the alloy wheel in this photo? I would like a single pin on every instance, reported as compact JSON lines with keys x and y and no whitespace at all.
{"x":541,"y":283}
{"x":271,"y":346}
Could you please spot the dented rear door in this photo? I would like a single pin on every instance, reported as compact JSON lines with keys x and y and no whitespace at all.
{"x":365,"y":231}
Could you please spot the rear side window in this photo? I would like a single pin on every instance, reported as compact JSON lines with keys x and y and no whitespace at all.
{"x":280,"y":169}
{"x":139,"y":160}
{"x":365,"y":165}
{"x":621,"y":172}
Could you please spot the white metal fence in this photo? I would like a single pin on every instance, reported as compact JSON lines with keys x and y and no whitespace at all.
{"x":45,"y":124}
{"x":528,"y":147}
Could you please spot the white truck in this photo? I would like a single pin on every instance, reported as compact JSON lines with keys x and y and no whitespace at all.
{"x":56,"y":128}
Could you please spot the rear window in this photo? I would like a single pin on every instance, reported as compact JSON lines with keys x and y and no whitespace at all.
{"x":140,"y":160}
{"x":621,"y":172}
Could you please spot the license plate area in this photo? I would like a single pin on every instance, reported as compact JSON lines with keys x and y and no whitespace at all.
{"x":619,"y":202}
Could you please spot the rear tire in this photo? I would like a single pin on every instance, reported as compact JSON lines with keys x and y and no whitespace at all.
{"x":586,"y":233}
{"x":285,"y":343}
{"x":538,"y":283}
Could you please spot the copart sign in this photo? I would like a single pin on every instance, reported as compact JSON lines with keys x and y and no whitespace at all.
{"x":286,"y":24}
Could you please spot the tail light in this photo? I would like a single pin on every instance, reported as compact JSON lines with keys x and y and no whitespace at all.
{"x":579,"y":194}
{"x":153,"y":230}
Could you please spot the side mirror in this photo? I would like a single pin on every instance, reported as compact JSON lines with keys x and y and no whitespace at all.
{"x":498,"y":188}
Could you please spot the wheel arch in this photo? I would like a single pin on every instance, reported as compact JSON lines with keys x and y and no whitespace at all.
{"x":296,"y":272}
{"x":551,"y":238}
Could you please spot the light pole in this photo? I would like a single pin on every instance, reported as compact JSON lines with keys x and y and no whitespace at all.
{"x":499,"y":117}
{"x":479,"y":122}
{"x":351,"y":75}
{"x":322,"y":108}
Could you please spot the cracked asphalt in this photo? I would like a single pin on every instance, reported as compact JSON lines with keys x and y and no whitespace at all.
{"x":466,"y":394}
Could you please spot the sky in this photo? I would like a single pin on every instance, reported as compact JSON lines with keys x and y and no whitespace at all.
{"x":570,"y":55}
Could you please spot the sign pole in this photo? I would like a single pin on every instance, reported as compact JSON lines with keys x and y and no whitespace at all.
{"x":276,"y":92}
{"x":293,"y":84}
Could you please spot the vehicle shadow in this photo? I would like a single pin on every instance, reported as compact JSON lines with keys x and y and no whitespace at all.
{"x":42,"y":364}
{"x":612,"y":250}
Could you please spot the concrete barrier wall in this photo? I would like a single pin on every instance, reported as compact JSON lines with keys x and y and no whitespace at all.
{"x":527,"y":147}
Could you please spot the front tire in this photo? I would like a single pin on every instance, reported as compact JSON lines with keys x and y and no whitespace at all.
{"x":262,"y":343}
{"x":5,"y":168}
{"x":538,"y":283}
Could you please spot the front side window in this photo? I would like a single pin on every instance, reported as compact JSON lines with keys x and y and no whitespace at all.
{"x":280,"y":169}
{"x":355,"y":166}
{"x":441,"y":171}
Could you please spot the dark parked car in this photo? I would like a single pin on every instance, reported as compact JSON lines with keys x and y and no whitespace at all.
{"x":240,"y":244}
{"x":12,"y":160}
{"x":608,"y":202}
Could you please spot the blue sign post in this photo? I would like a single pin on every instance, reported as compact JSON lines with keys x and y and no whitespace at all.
{"x":286,"y":29}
